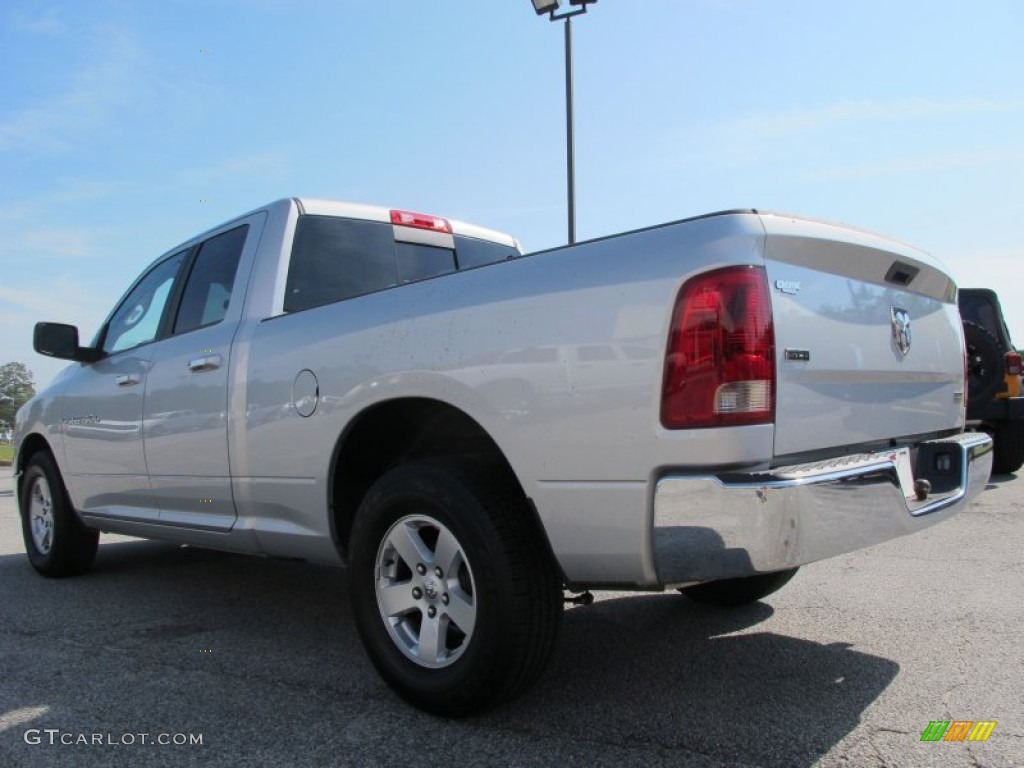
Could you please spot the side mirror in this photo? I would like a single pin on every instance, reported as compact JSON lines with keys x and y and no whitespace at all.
{"x":61,"y":341}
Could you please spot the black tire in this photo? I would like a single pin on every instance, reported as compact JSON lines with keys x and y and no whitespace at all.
{"x":1008,"y":454}
{"x":729,"y":593}
{"x":505,"y":589}
{"x":57,"y":542}
{"x":984,"y":364}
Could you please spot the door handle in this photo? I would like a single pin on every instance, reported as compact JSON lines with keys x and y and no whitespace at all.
{"x":128,"y":380}
{"x":206,"y":363}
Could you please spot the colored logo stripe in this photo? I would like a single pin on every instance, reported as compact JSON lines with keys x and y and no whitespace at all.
{"x":982,"y":730}
{"x":958,"y":730}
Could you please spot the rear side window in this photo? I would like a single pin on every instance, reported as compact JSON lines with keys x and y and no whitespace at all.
{"x":335,"y":259}
{"x":208,"y":290}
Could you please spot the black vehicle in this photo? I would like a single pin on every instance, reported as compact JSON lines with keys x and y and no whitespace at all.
{"x":994,"y":401}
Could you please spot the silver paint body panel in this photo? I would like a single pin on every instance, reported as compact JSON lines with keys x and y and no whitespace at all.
{"x":857,"y":386}
{"x":558,"y":356}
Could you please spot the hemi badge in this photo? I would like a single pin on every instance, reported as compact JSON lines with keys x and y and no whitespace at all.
{"x":798,"y":354}
{"x":791,"y":287}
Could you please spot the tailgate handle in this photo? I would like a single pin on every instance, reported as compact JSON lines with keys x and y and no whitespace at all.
{"x":206,"y":363}
{"x":901,"y":274}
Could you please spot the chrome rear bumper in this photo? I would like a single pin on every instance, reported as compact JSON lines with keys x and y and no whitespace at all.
{"x":732,"y":525}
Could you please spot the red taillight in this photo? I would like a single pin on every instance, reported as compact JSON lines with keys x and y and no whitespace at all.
{"x":1013,"y":363}
{"x":720,"y":362}
{"x":421,"y":221}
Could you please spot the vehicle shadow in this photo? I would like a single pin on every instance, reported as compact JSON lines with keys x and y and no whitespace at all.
{"x":665,"y":670}
{"x":994,"y":481}
{"x":189,"y":636}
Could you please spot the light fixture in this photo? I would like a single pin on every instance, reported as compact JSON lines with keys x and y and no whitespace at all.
{"x":545,"y":6}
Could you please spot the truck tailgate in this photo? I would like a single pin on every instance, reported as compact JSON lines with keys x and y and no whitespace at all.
{"x":860,"y":321}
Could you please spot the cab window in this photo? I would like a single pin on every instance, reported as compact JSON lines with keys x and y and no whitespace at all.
{"x":207,"y":293}
{"x":137,"y":320}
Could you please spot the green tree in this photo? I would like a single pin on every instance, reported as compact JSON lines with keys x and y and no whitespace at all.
{"x":16,"y":389}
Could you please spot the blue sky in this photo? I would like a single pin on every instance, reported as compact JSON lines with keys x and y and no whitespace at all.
{"x":127,"y":127}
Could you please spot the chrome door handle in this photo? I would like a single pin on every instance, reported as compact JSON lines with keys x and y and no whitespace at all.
{"x":207,"y":363}
{"x":127,"y":380}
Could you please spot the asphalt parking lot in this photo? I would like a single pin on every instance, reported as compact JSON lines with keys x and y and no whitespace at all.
{"x":846,"y":666}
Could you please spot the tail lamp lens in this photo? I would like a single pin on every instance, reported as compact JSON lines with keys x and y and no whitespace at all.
{"x":720,"y":361}
{"x":1013,"y":363}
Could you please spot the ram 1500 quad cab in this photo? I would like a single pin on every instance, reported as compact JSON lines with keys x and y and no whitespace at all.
{"x":705,"y":405}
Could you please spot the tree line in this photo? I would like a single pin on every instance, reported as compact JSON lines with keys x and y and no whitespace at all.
{"x":16,"y":389}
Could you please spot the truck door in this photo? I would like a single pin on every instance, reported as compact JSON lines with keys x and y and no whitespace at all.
{"x":185,"y":420}
{"x":102,"y":419}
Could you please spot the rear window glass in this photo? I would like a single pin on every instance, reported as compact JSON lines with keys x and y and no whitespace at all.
{"x":418,"y":262}
{"x":476,"y":253}
{"x":335,"y":259}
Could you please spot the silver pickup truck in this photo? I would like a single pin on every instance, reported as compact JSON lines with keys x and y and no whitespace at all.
{"x":704,"y":405}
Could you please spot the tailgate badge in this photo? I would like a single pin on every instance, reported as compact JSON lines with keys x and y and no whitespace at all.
{"x":792,"y":287}
{"x":900,"y":329}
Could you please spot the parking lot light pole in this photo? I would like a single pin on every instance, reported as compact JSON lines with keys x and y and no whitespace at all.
{"x":551,"y":8}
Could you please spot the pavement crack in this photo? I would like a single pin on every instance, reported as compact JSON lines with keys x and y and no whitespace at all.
{"x":870,"y":742}
{"x":900,"y":731}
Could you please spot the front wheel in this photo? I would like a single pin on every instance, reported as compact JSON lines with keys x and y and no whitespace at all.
{"x":56,"y":541}
{"x":729,"y":593}
{"x":456,"y":601}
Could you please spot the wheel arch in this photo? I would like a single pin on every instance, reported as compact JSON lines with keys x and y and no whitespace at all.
{"x":397,"y":431}
{"x":29,"y":447}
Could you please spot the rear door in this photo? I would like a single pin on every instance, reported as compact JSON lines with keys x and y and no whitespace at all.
{"x":186,"y":405}
{"x":868,"y":338}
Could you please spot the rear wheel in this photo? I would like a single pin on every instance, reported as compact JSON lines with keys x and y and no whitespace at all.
{"x":56,"y":541}
{"x":456,"y":601}
{"x":1008,"y":453}
{"x":735,"y":592}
